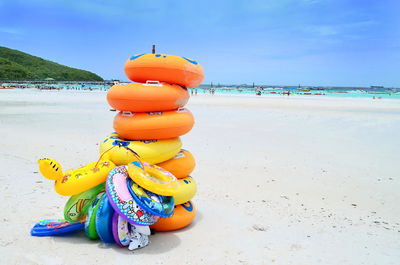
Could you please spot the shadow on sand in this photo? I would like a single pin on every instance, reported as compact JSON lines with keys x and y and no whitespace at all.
{"x":161,"y":242}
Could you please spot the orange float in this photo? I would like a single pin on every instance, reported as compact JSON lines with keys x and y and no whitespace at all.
{"x":182,"y":217}
{"x":180,"y":165}
{"x":164,"y":68}
{"x":152,"y":96}
{"x":153,"y":125}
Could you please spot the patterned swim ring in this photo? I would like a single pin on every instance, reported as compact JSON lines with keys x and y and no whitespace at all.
{"x":159,"y":205}
{"x":76,"y":208}
{"x":54,"y":227}
{"x":121,"y":199}
{"x":120,"y":230}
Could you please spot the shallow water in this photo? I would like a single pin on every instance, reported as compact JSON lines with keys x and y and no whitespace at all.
{"x":279,"y":92}
{"x":351,"y":93}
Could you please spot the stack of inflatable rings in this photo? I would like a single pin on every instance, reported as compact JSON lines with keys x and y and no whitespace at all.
{"x":146,"y":171}
{"x":150,"y":120}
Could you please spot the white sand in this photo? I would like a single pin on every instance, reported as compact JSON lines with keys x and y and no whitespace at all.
{"x":281,"y":180}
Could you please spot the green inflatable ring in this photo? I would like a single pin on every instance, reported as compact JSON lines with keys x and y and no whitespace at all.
{"x":76,"y":208}
{"x":90,"y":224}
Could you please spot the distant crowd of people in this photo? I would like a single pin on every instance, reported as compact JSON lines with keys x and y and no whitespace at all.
{"x":194,"y":91}
{"x":59,"y":85}
{"x":22,"y":86}
{"x":48,"y":88}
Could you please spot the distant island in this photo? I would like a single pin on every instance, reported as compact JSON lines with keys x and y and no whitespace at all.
{"x":17,"y":65}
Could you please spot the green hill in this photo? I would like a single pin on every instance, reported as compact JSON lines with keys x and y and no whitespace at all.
{"x":16,"y":65}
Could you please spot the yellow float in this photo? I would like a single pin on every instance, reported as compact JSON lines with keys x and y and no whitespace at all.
{"x":187,"y":190}
{"x":153,"y":178}
{"x":122,"y":152}
{"x":75,"y":181}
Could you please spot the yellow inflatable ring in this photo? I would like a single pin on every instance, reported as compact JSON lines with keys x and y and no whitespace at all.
{"x":151,"y":151}
{"x":75,"y":181}
{"x":153,"y":178}
{"x":187,"y":190}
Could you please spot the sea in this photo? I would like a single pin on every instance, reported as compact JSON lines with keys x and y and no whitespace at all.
{"x":343,"y":92}
{"x":262,"y":91}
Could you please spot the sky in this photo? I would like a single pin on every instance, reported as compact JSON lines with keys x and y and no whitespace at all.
{"x":276,"y":42}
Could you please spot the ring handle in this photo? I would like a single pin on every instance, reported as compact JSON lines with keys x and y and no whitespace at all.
{"x":152,"y":83}
{"x":127,"y":114}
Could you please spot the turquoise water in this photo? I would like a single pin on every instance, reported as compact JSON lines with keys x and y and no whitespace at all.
{"x":279,"y":92}
{"x":342,"y":93}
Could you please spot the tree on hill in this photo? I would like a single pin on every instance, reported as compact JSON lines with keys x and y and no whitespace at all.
{"x":17,"y":65}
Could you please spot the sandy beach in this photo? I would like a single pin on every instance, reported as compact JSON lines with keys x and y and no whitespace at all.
{"x":282,"y":180}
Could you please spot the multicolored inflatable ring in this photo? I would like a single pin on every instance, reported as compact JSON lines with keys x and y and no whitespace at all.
{"x":159,"y":205}
{"x":122,"y":201}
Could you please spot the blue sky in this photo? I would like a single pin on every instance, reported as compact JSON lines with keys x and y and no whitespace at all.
{"x":308,"y":42}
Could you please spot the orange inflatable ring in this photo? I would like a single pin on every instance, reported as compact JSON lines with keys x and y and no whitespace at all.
{"x":152,"y":96}
{"x":182,"y":217}
{"x":180,"y":165}
{"x":153,"y":125}
{"x":164,"y":68}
